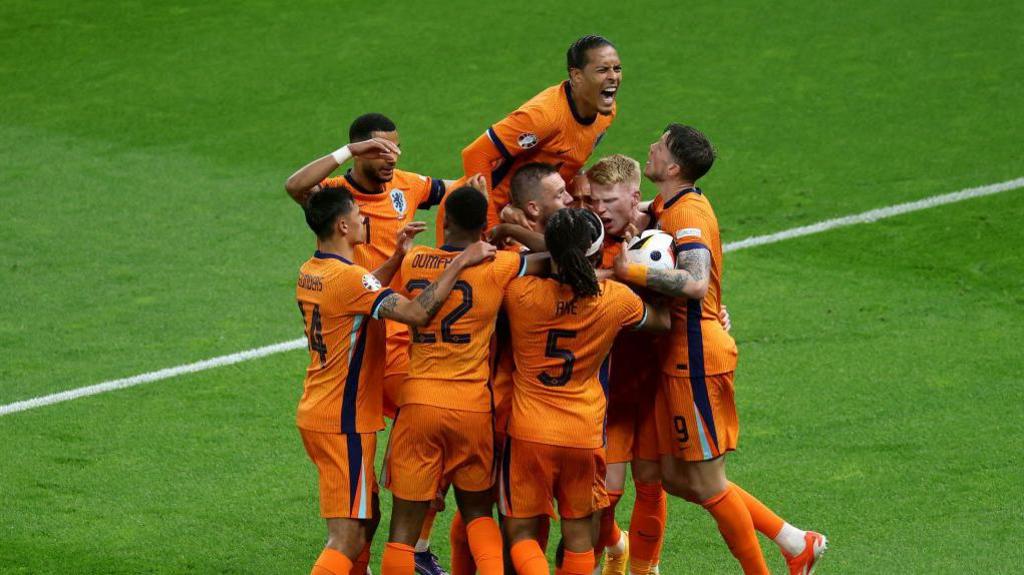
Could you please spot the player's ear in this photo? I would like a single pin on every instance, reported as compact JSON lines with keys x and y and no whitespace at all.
{"x":533,"y":209}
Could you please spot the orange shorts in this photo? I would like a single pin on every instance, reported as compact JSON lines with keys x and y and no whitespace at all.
{"x":696,"y":417}
{"x":431,"y":447}
{"x":632,"y":433}
{"x":396,"y":365}
{"x":344,"y":463}
{"x":535,"y":475}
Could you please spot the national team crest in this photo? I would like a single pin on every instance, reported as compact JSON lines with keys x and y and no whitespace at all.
{"x":527,"y":140}
{"x":398,"y":202}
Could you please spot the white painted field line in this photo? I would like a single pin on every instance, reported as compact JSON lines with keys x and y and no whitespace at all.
{"x":152,"y":376}
{"x":875,"y":215}
{"x":862,"y":218}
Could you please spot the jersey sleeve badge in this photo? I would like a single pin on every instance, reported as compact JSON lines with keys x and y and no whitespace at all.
{"x":527,"y":140}
{"x":371,"y":282}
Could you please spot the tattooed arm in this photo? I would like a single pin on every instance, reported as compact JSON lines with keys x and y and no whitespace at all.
{"x":418,"y":311}
{"x":689,"y":279}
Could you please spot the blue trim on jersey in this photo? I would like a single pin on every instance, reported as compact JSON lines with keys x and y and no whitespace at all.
{"x":355,"y":469}
{"x":450,"y":248}
{"x":437,"y":191}
{"x":355,"y":366}
{"x":698,"y":383}
{"x":522,"y":265}
{"x":676,"y":248}
{"x":499,"y":144}
{"x":572,"y":107}
{"x":352,"y":182}
{"x":329,"y":256}
{"x":380,"y":299}
{"x":679,"y":195}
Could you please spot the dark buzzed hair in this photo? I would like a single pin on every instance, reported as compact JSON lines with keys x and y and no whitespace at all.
{"x":325,"y":207}
{"x":691,"y":150}
{"x":576,"y":56}
{"x":466,"y":207}
{"x":364,"y":126}
{"x":525,"y":183}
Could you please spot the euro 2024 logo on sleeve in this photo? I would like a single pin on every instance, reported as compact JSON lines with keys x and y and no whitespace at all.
{"x":398,"y":202}
{"x":527,"y":140}
{"x":371,"y":282}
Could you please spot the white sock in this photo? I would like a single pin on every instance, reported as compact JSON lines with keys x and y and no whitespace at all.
{"x":617,"y":549}
{"x":422,"y":545}
{"x":791,"y":539}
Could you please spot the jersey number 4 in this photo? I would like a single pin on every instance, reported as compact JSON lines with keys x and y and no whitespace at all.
{"x":315,"y":333}
{"x":448,"y":321}
{"x":566,"y":355}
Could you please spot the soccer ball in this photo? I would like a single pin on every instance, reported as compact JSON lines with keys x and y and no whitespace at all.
{"x":652,"y":248}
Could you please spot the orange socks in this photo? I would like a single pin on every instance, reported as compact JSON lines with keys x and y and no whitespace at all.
{"x":462,"y":555}
{"x":647,"y":526}
{"x":577,"y":563}
{"x":485,"y":543}
{"x":765,"y":520}
{"x":530,"y":560}
{"x":398,"y":559}
{"x":331,"y":562}
{"x":737,"y":528}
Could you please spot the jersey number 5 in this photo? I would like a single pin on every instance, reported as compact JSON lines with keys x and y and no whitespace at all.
{"x":566,"y":355}
{"x":448,"y":321}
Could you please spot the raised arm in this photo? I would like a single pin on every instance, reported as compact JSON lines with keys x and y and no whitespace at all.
{"x":387,"y":270}
{"x":418,"y":311}
{"x":306,"y":181}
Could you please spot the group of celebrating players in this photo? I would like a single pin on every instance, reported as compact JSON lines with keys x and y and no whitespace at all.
{"x":526,"y":360}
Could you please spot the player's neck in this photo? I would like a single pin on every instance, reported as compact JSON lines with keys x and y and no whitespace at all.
{"x":367,"y":183}
{"x":338,"y":246}
{"x":667,"y":189}
{"x":457,"y":240}
{"x":585,"y":109}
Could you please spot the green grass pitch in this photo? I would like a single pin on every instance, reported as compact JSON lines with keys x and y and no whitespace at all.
{"x":143,"y":150}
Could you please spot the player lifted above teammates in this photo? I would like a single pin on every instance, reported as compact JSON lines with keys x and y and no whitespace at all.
{"x":696,"y":409}
{"x":562,"y":329}
{"x":559,"y":126}
{"x":340,"y":409}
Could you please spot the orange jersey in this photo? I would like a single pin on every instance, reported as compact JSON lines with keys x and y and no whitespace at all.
{"x":634,"y":353}
{"x":547,"y":129}
{"x":561,"y":347}
{"x":388,"y":211}
{"x":698,"y":344}
{"x":342,"y":392}
{"x":449,"y":366}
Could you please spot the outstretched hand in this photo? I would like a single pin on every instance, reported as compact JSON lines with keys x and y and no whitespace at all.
{"x":406,"y":234}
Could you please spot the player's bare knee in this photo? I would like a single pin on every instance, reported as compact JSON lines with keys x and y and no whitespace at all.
{"x":646,"y":471}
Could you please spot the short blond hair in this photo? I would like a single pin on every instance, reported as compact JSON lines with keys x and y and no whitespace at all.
{"x":615,"y":169}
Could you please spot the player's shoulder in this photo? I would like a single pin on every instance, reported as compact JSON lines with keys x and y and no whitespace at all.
{"x":403,"y":178}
